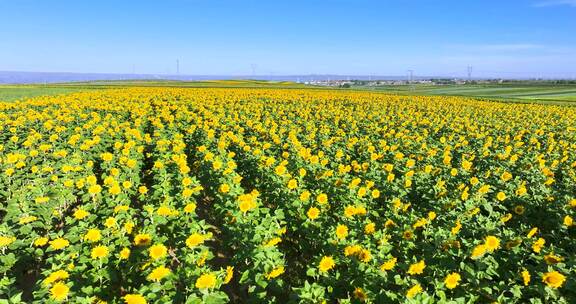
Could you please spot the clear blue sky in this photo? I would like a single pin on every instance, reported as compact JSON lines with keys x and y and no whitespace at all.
{"x":387,"y":37}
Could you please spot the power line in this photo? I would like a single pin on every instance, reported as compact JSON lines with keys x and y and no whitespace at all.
{"x":410,"y":76}
{"x":411,"y":79}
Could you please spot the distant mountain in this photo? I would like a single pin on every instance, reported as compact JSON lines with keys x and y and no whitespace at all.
{"x":10,"y":77}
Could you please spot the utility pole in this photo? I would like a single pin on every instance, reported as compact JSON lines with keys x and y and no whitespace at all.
{"x":410,"y":76}
{"x":177,"y":67}
{"x":253,"y":67}
{"x":469,"y":71}
{"x":411,"y":79}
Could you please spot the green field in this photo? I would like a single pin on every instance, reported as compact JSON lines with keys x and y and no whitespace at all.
{"x":14,"y":93}
{"x":187,"y":84}
{"x":547,"y":93}
{"x":20,"y":92}
{"x":517,"y":92}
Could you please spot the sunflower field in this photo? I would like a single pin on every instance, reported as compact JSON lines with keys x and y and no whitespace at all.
{"x":171,"y":195}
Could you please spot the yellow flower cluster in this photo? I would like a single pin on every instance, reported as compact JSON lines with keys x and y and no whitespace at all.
{"x":160,"y":195}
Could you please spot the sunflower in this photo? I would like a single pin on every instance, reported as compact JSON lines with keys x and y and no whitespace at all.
{"x":206,"y":281}
{"x":292,"y":184}
{"x":158,"y":251}
{"x":194,"y":240}
{"x":389,"y":265}
{"x":229,"y":274}
{"x":525,"y":277}
{"x":360,"y":294}
{"x":322,"y":198}
{"x":158,"y":274}
{"x":553,"y":279}
{"x":56,"y":276}
{"x":142,"y":239}
{"x":59,"y":243}
{"x":99,"y":252}
{"x":341,"y":231}
{"x":134,"y":299}
{"x":313,"y":213}
{"x":59,"y":291}
{"x":275,"y":272}
{"x":41,"y":241}
{"x":492,"y":243}
{"x":417,"y":268}
{"x":124,"y":253}
{"x":413,"y":291}
{"x":538,"y":244}
{"x":93,"y":235}
{"x":452,"y":280}
{"x":326,"y":263}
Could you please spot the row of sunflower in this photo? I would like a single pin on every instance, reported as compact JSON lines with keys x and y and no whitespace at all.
{"x":147,"y":195}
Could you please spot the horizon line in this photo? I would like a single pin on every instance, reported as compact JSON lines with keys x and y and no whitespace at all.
{"x":277,"y":75}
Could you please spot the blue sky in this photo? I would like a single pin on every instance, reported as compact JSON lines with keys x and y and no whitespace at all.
{"x":506,"y":38}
